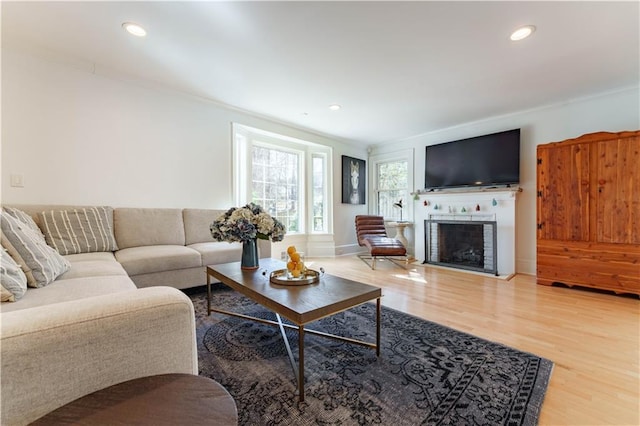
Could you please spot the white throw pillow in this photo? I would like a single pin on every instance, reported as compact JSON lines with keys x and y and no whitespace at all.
{"x":13,"y":280}
{"x":23,"y":217}
{"x":40,"y":263}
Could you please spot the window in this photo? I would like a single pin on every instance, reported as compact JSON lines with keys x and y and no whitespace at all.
{"x":319,"y":192}
{"x":393,"y":179}
{"x":286,"y":176}
{"x":275,"y":184}
{"x":392,"y":187}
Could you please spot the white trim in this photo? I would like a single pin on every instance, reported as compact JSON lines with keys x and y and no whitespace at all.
{"x":328,"y":184}
{"x":450,"y":205}
{"x":244,"y":137}
{"x":407,"y":155}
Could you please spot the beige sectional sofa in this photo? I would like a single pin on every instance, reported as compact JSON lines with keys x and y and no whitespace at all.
{"x":112,"y":316}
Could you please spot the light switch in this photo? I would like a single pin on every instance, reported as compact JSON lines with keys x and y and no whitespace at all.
{"x":17,"y":180}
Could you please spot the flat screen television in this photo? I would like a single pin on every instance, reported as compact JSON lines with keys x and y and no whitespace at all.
{"x":489,"y":160}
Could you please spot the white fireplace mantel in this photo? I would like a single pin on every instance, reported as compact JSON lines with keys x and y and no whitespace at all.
{"x":493,"y":204}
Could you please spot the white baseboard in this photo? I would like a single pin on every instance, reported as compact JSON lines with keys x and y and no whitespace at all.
{"x":348,"y":250}
{"x":526,"y":266}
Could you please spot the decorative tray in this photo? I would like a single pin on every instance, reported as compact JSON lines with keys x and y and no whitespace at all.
{"x":281,"y":277}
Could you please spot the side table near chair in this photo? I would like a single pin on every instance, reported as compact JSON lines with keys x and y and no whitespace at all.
{"x":400,"y":235}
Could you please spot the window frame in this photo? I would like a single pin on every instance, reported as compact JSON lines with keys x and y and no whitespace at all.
{"x":407,"y":200}
{"x":245,"y":137}
{"x":301,"y":207}
{"x":325,"y":192}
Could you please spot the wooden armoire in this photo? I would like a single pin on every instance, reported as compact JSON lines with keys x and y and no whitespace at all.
{"x":588,"y":212}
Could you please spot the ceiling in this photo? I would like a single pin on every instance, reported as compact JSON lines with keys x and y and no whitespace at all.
{"x":398,"y":69}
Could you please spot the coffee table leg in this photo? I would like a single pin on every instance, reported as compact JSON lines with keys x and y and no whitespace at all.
{"x":301,"y":363}
{"x":378,"y":327}
{"x":298,"y":372}
{"x":208,"y":294}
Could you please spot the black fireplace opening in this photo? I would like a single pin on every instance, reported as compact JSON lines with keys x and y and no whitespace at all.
{"x":461,"y":244}
{"x":464,"y":244}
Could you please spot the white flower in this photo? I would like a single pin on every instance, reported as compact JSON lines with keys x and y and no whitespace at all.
{"x":264,"y":222}
{"x":247,"y":223}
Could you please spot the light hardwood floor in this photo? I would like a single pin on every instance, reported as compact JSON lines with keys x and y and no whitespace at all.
{"x":592,"y":338}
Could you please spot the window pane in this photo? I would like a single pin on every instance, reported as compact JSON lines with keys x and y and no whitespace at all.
{"x":275,"y":183}
{"x":386,"y":199}
{"x":288,"y":177}
{"x":393,"y":186}
{"x":317,"y":171}
{"x":392,"y":175}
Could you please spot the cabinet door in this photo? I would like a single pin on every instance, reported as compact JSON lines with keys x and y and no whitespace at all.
{"x":563,"y":192}
{"x":618,"y":197}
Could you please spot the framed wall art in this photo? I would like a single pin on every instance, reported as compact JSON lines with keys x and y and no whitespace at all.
{"x":354,"y":176}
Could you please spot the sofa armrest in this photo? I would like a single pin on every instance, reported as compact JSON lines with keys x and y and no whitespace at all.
{"x":54,"y":354}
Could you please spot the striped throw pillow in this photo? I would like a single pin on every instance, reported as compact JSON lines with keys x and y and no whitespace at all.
{"x":6,"y":295}
{"x":81,"y":230}
{"x":23,"y":217}
{"x":40,"y":263}
{"x":13,"y":280}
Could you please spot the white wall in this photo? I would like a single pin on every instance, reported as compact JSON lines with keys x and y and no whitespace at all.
{"x":608,"y":112}
{"x":83,"y":137}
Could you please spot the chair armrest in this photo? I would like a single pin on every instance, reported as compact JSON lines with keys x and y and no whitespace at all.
{"x":54,"y":354}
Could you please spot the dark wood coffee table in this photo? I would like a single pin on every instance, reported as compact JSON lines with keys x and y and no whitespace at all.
{"x":299,"y":304}
{"x":167,"y":399}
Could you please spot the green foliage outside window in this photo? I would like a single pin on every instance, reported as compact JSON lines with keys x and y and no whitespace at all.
{"x":393,"y":185}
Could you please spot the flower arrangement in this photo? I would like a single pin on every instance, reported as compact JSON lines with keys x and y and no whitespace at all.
{"x":245,"y":224}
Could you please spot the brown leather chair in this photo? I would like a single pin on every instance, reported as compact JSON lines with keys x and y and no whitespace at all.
{"x":373,"y":235}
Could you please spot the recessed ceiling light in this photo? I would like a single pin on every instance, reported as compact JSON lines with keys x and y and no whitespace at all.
{"x":522,"y":33}
{"x":334,"y":107}
{"x":135,"y":29}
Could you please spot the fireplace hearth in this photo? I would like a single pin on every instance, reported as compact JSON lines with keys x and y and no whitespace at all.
{"x":464,"y":244}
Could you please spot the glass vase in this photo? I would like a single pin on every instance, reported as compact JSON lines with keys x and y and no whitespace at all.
{"x":250,"y":255}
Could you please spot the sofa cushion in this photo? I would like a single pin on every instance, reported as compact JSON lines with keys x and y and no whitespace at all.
{"x":218,"y":252}
{"x":197,"y":224}
{"x":92,"y":268}
{"x":13,"y":280}
{"x":73,"y":289}
{"x":158,"y":258}
{"x":40,"y":263}
{"x":136,"y":227}
{"x":86,"y":257}
{"x":82,"y":230}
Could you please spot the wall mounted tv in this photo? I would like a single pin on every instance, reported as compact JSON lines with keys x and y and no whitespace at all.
{"x":489,"y":160}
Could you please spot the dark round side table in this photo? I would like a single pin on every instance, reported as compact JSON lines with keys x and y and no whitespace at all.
{"x":168,"y":399}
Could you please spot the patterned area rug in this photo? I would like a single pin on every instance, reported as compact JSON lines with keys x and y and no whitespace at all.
{"x":427,"y":374}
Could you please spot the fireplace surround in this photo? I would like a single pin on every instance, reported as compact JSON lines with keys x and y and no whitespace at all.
{"x":476,"y":205}
{"x":463,"y":244}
